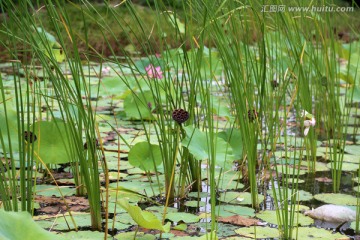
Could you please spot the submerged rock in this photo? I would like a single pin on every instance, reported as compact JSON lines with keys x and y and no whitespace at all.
{"x":332,"y":213}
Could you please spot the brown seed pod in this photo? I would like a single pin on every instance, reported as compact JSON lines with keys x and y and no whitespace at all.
{"x":180,"y":115}
{"x":274,"y":84}
{"x":29,"y":136}
{"x":252,"y":115}
{"x":95,"y":141}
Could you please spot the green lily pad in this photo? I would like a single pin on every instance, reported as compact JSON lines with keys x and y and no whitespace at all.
{"x":62,"y":224}
{"x":198,"y":195}
{"x":233,"y":137}
{"x":116,"y":86}
{"x":345,"y":166}
{"x":146,"y":156}
{"x":270,"y":216}
{"x":258,"y":232}
{"x":125,"y":218}
{"x":197,"y":143}
{"x":223,"y":229}
{"x":353,"y":149}
{"x":299,"y":195}
{"x":19,"y":226}
{"x":134,"y":235}
{"x":195,"y":204}
{"x":160,"y":209}
{"x":319,"y":166}
{"x":295,"y":180}
{"x":139,"y":106}
{"x":53,"y":190}
{"x":229,"y":180}
{"x":181,"y":216}
{"x":240,"y":198}
{"x":353,"y":225}
{"x":8,"y":120}
{"x":351,"y":158}
{"x":336,"y":198}
{"x":83,"y":235}
{"x":53,"y":142}
{"x":230,"y":210}
{"x":306,"y":233}
{"x":288,"y":170}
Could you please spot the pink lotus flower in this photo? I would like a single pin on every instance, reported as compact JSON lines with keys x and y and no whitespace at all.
{"x":154,"y":72}
{"x":105,"y":70}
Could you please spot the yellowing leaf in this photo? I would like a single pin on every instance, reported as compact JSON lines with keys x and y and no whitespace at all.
{"x":144,"y":219}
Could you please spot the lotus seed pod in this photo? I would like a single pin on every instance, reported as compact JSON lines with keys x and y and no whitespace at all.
{"x":180,"y":115}
{"x":252,"y":115}
{"x":29,"y":136}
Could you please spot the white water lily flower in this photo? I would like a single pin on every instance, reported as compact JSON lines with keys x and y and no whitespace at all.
{"x":309,"y":121}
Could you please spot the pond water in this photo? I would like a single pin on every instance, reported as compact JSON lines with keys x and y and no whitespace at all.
{"x":315,"y":188}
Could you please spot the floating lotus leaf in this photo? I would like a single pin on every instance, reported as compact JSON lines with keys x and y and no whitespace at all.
{"x":288,"y":170}
{"x":223,"y":229}
{"x":356,"y":180}
{"x":134,"y":235}
{"x":353,"y":149}
{"x":345,"y":166}
{"x":271,"y":217}
{"x":8,"y":122}
{"x":240,"y":198}
{"x":19,"y":226}
{"x":116,"y":86}
{"x":351,"y":158}
{"x":83,"y":235}
{"x":198,"y":144}
{"x":225,"y":210}
{"x":336,"y":198}
{"x":198,"y":195}
{"x":182,"y":216}
{"x":233,"y":137}
{"x":139,"y":106}
{"x":53,"y":142}
{"x":53,"y":190}
{"x":353,"y":225}
{"x":299,"y":195}
{"x":258,"y":232}
{"x":146,"y":156}
{"x":295,"y":180}
{"x":319,"y":166}
{"x":306,"y":233}
{"x":65,"y":223}
{"x":195,"y":204}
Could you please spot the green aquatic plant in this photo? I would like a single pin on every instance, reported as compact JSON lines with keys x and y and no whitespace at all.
{"x":77,"y":122}
{"x":144,"y":219}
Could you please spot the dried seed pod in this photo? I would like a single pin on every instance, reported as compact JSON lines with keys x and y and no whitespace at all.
{"x":29,"y":136}
{"x":180,"y":115}
{"x":95,"y":141}
{"x":274,"y":84}
{"x":252,"y":115}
